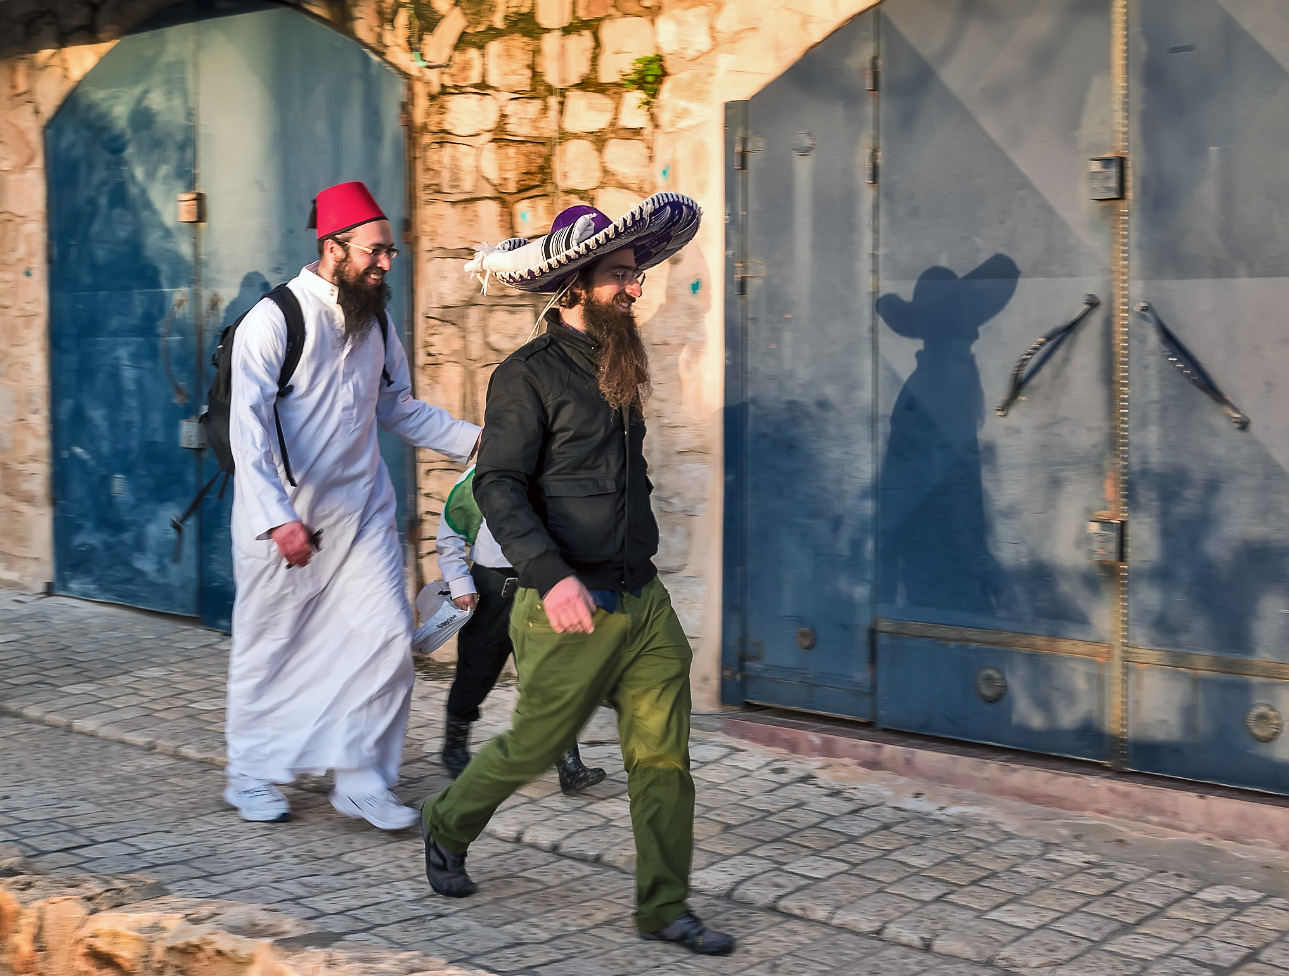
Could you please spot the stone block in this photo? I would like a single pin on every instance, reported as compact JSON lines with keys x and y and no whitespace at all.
{"x":528,"y":118}
{"x":553,"y":14}
{"x":438,"y":46}
{"x":444,"y":283}
{"x":451,"y":167}
{"x":622,"y":40}
{"x":464,"y":223}
{"x":577,"y":165}
{"x":688,"y":598}
{"x":685,"y":34}
{"x":513,"y":166}
{"x":615,"y":201}
{"x":50,"y":87}
{"x":79,"y":59}
{"x":17,"y":150}
{"x":633,"y":110}
{"x":587,"y":111}
{"x":673,"y":543}
{"x":508,"y":63}
{"x":593,"y":9}
{"x":737,"y":17}
{"x":443,"y":385}
{"x":566,"y":58}
{"x":629,"y":161}
{"x":465,"y":68}
{"x":463,"y":114}
{"x":532,"y":216}
{"x":504,"y":328}
{"x":681,"y":488}
{"x":687,"y":99}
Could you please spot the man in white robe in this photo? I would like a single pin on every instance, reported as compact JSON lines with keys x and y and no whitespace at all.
{"x":320,"y":676}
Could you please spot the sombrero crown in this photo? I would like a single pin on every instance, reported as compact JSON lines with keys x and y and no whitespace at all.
{"x":656,"y":229}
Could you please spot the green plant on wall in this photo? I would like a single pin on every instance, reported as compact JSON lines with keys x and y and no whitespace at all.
{"x":645,"y":76}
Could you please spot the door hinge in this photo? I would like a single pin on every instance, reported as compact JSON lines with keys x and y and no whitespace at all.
{"x":192,"y":207}
{"x":873,"y":73}
{"x":744,"y":145}
{"x":748,"y":269}
{"x":870,"y":167}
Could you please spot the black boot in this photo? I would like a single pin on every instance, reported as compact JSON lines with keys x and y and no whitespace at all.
{"x":455,"y":755}
{"x":573,"y":776}
{"x":445,"y":870}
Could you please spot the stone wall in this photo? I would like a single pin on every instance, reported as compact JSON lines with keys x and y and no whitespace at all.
{"x":518,"y":111}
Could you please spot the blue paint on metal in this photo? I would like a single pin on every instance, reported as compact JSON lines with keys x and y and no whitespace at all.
{"x":131,"y":333}
{"x":800,"y":393}
{"x":118,"y":152}
{"x":260,"y":189}
{"x":1209,"y":504}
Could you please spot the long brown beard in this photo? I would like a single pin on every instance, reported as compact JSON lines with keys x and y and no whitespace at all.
{"x":624,"y":361}
{"x":359,"y":302}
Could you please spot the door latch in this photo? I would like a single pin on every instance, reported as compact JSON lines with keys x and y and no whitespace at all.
{"x":192,"y":207}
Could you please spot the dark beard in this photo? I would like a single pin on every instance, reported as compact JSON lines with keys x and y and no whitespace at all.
{"x":624,"y":361}
{"x":359,"y":302}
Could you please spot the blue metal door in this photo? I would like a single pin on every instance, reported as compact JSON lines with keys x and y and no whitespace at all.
{"x":799,"y":499}
{"x":994,"y":624}
{"x":1209,"y":498}
{"x":286,"y":106}
{"x":123,"y":351}
{"x":256,"y":106}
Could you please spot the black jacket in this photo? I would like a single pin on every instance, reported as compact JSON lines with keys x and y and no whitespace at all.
{"x":563,"y":490}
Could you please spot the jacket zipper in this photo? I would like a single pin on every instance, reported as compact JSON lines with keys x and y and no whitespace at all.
{"x":626,"y":497}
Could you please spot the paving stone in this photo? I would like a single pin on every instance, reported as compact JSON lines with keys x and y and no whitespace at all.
{"x":1174,"y":966}
{"x":1087,"y":926}
{"x":1207,"y":950}
{"x":1023,"y":916}
{"x":1140,"y":946}
{"x":1041,"y":949}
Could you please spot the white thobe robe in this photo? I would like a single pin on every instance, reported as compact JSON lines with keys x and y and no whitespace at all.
{"x":320,"y":675}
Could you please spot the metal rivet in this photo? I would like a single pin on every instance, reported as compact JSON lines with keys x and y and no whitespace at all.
{"x":805,"y":638}
{"x":991,"y":685}
{"x":1264,"y":722}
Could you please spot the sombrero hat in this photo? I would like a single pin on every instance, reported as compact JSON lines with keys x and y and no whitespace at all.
{"x":656,"y":229}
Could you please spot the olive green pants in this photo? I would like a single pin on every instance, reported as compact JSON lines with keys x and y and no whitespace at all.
{"x":638,"y":660}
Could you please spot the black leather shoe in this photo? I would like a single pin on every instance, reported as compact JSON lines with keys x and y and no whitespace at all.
{"x":573,"y":775}
{"x":688,"y":930}
{"x":445,"y":870}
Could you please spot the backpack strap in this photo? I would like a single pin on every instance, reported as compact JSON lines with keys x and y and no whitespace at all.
{"x":383,"y":318}
{"x":285,"y":299}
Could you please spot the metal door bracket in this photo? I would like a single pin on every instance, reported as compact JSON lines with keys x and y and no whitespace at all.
{"x":873,"y":74}
{"x":1105,"y":539}
{"x":870,"y":167}
{"x":744,"y":145}
{"x":748,"y":269}
{"x":192,"y":435}
{"x":1105,"y":177}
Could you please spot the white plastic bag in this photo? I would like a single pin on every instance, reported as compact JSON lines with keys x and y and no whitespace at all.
{"x":441,"y":618}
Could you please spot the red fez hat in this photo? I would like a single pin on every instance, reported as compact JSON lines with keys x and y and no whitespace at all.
{"x":343,"y":207}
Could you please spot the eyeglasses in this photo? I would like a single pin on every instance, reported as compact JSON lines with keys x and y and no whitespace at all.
{"x":377,"y":252}
{"x":624,"y":276}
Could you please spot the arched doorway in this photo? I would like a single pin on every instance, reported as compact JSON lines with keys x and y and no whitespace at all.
{"x":254,"y":106}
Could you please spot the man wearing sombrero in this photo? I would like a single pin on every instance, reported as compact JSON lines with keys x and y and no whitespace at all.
{"x":563,"y":483}
{"x":320,"y":676}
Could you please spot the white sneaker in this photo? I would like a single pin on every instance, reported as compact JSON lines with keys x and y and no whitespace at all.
{"x":263,"y":803}
{"x":380,"y":809}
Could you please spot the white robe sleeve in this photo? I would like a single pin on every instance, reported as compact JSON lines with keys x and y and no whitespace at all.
{"x":453,"y":565}
{"x":258,"y":349}
{"x":418,"y":423}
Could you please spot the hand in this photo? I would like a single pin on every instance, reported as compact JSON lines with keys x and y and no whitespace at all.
{"x":294,"y":542}
{"x":569,"y":607}
{"x":467,"y":602}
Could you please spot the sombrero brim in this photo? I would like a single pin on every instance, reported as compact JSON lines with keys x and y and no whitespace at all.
{"x":656,"y":229}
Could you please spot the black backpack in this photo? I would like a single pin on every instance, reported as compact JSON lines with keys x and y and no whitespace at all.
{"x":219,"y":398}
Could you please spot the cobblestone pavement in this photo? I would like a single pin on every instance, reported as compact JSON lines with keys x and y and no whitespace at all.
{"x":110,"y":725}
